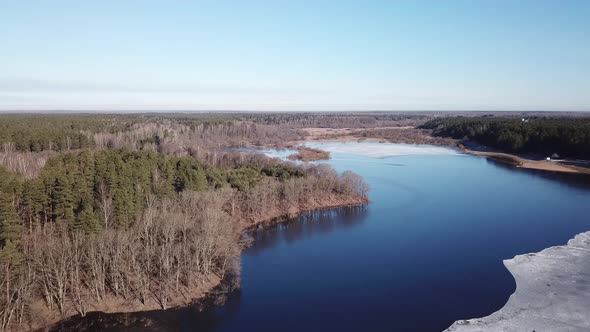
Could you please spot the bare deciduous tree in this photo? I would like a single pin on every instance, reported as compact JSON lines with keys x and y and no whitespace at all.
{"x":105,"y":203}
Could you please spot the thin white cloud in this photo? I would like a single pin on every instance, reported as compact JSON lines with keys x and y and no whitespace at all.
{"x":36,"y":94}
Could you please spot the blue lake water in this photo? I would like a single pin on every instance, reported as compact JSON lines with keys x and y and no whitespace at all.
{"x":427,"y":251}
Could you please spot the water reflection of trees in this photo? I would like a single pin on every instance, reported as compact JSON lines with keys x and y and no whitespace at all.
{"x":203,"y":315}
{"x":304,"y":226}
{"x":220,"y":305}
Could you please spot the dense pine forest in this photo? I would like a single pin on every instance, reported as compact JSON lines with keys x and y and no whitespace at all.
{"x":96,"y":211}
{"x":565,"y":136}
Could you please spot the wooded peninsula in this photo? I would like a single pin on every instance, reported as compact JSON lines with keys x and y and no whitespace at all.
{"x":146,"y":211}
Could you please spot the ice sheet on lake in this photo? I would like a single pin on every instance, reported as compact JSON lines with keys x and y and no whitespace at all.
{"x":272,"y":153}
{"x":282,"y":154}
{"x":382,"y":150}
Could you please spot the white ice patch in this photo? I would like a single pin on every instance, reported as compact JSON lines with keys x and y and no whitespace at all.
{"x":282,"y":154}
{"x":382,"y":150}
{"x":272,"y":153}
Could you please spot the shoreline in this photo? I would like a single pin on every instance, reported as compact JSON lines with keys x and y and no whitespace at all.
{"x":402,"y":134}
{"x":277,"y":217}
{"x":519,"y":162}
{"x":551,"y":292}
{"x":347,"y":135}
{"x":271,"y":218}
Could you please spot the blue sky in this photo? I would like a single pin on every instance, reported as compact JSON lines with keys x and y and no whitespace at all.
{"x":294,"y":55}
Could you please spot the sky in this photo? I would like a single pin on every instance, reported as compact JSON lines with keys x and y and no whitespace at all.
{"x":322,"y":55}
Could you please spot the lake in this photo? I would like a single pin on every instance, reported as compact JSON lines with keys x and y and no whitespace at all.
{"x":427,"y":251}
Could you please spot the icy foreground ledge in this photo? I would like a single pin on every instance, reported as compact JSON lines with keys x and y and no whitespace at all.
{"x":552,"y":292}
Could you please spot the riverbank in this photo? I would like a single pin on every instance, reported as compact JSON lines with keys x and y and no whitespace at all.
{"x":413,"y":135}
{"x":269,"y":217}
{"x":551,"y":292}
{"x":401,"y":134}
{"x":543,"y":165}
{"x":47,"y":320}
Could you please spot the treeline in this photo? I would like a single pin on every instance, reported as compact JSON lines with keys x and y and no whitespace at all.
{"x":72,"y":187}
{"x":25,"y":151}
{"x":337,"y":119}
{"x":98,"y":229}
{"x":66,"y":132}
{"x":180,"y":139}
{"x":404,"y":135}
{"x":565,"y":136}
{"x":33,"y":133}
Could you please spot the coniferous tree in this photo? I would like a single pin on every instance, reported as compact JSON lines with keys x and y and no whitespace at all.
{"x":61,"y":200}
{"x":86,"y":220}
{"x":10,"y":225}
{"x":189,"y":175}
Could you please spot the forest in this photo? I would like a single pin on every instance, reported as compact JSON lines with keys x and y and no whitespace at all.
{"x":64,"y":132}
{"x":143,"y":211}
{"x":98,"y":212}
{"x":569,"y":137}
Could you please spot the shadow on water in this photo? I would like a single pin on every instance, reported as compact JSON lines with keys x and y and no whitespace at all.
{"x":201,"y":314}
{"x":224,"y":301}
{"x":573,"y":180}
{"x":304,"y":226}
